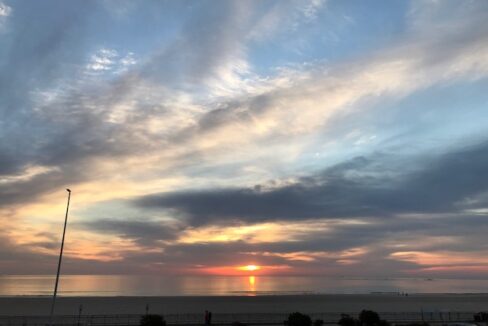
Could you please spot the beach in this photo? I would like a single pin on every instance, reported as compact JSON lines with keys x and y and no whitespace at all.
{"x":337,"y":303}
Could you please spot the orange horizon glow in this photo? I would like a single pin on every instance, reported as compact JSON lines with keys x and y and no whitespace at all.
{"x":249,"y":268}
{"x":246,"y":270}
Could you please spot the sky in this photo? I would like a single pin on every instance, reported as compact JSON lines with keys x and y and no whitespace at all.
{"x":321,"y":137}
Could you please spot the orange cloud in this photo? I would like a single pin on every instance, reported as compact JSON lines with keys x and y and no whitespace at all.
{"x":242,"y":270}
{"x":445,"y":258}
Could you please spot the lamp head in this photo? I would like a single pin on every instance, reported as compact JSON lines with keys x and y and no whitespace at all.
{"x":68,"y":190}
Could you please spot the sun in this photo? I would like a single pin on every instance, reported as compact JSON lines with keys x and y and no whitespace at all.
{"x":250,"y":268}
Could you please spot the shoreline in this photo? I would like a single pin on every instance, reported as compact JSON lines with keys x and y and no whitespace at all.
{"x":318,"y":303}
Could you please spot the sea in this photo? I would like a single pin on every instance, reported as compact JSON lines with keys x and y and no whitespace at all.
{"x":144,"y":285}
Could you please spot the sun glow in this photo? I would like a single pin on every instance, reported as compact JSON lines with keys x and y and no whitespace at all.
{"x":250,"y":268}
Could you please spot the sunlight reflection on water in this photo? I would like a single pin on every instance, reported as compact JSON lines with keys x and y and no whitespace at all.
{"x":124,"y":285}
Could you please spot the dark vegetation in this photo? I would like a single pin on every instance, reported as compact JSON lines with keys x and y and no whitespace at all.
{"x":347,"y":320}
{"x":366,"y":318}
{"x":318,"y":322}
{"x":298,"y":319}
{"x":371,"y":318}
{"x":152,"y":320}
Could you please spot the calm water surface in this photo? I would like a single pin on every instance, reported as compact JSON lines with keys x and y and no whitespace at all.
{"x":124,"y":285}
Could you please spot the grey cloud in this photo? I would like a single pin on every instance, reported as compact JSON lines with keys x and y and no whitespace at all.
{"x":8,"y":163}
{"x":36,"y":56}
{"x":146,"y":233}
{"x":438,"y":185}
{"x":443,"y":184}
{"x":210,"y":254}
{"x":20,"y":259}
{"x":27,"y":190}
{"x":216,"y":32}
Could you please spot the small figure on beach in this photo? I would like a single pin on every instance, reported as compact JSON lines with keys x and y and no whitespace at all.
{"x":208,"y":317}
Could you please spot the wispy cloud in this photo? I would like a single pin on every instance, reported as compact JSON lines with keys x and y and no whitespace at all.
{"x":103,"y":60}
{"x":5,"y":10}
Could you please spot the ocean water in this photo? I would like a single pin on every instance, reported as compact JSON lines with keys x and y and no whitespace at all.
{"x":138,"y":285}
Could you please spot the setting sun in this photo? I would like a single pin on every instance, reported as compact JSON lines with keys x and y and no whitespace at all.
{"x":250,"y":268}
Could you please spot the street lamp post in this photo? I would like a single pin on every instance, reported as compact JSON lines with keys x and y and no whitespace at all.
{"x":60,"y":258}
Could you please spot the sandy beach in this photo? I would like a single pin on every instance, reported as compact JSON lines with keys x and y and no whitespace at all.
{"x":242,"y":304}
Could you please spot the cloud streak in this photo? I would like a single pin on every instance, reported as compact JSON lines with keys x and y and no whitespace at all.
{"x":353,"y":189}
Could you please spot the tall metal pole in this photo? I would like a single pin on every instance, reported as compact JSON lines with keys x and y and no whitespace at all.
{"x":60,"y":258}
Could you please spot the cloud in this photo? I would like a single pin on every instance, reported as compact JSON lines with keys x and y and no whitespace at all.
{"x":5,"y":10}
{"x":310,"y":9}
{"x":19,"y":259}
{"x":8,"y":163}
{"x":103,"y":60}
{"x":144,"y":233}
{"x":352,"y":189}
{"x":215,"y":33}
{"x":30,"y":188}
{"x":106,"y":60}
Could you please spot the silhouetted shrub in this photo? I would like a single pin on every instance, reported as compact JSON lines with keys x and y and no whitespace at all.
{"x":298,"y":319}
{"x":318,"y":322}
{"x":417,"y":324}
{"x":347,"y":320}
{"x":152,"y":320}
{"x":383,"y":323}
{"x":369,"y":318}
